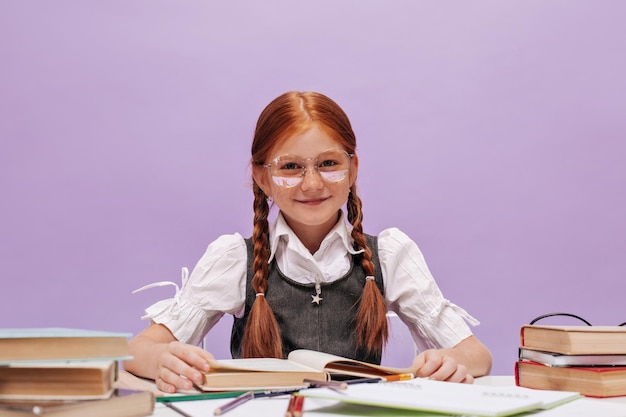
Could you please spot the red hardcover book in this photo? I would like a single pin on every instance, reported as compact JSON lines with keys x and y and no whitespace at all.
{"x":595,"y":381}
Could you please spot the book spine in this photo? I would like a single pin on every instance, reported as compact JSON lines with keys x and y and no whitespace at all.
{"x":516,"y":373}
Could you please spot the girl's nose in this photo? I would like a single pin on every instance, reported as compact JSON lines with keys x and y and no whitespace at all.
{"x":312,"y":179}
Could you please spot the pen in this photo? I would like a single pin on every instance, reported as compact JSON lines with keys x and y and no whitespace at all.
{"x":314,"y":383}
{"x":292,"y":401}
{"x":243,"y":398}
{"x":374,"y":380}
{"x":294,"y":409}
{"x":276,"y":392}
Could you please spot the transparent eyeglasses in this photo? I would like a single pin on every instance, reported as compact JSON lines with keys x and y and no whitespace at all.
{"x":288,"y":170}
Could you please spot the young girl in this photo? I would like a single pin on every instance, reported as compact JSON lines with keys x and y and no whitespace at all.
{"x":310,"y":279}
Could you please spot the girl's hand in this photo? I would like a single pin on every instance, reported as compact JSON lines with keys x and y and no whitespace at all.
{"x":461,"y":363}
{"x":173,"y":365}
{"x":440,"y":365}
{"x":180,"y":366}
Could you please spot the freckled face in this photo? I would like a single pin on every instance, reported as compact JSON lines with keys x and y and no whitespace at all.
{"x":314,"y":202}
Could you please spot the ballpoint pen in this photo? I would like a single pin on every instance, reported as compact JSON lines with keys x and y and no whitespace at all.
{"x":377,"y":379}
{"x":373,"y":380}
{"x":314,"y":383}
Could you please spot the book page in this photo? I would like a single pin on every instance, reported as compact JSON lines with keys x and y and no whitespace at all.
{"x":259,"y":364}
{"x":321,"y":360}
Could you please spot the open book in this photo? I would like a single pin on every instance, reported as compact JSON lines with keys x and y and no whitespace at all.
{"x":301,"y":364}
{"x":339,"y":367}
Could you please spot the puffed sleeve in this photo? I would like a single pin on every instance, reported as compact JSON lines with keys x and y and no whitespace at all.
{"x":412,"y":293}
{"x":215,"y":287}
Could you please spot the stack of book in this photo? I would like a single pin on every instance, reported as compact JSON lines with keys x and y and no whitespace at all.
{"x":65,"y":372}
{"x":586,"y":359}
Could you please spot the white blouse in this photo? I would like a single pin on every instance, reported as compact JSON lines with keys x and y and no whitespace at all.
{"x":217,"y":284}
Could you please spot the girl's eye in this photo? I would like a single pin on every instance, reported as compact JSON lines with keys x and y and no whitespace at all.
{"x":290,"y":166}
{"x":327,"y":163}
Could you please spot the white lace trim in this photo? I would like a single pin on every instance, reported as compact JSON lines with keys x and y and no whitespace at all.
{"x":174,"y":307}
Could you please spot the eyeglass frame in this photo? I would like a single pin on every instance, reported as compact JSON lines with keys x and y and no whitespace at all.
{"x":304,"y":168}
{"x":543,"y":316}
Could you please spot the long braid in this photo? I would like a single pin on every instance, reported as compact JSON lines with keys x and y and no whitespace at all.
{"x":262,"y":335}
{"x":371,"y":330}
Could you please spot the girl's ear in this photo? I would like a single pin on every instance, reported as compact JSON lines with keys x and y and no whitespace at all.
{"x":259,"y":173}
{"x":354,"y":169}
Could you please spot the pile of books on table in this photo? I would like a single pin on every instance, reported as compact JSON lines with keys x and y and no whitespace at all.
{"x":65,"y":372}
{"x":586,"y":359}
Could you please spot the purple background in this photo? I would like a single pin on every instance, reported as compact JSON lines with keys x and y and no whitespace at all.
{"x":493,"y":133}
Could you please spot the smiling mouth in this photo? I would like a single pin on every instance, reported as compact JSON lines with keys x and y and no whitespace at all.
{"x":313,"y":201}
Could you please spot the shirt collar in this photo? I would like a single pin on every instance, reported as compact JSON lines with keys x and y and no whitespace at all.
{"x":280,"y":229}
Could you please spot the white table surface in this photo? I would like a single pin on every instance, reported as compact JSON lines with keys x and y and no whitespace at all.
{"x":276,"y":407}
